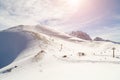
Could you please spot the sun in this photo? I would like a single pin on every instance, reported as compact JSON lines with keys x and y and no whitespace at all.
{"x":74,"y":3}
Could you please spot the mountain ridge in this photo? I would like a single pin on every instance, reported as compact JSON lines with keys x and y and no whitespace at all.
{"x":85,"y":36}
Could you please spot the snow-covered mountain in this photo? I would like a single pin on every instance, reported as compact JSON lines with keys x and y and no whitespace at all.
{"x":85,"y":36}
{"x":38,"y":52}
{"x":101,"y":39}
{"x":80,"y":34}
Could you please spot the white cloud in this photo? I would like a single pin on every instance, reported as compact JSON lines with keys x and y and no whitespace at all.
{"x":8,"y":21}
{"x":15,"y":12}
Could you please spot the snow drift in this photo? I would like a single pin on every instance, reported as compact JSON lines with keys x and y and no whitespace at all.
{"x":11,"y":45}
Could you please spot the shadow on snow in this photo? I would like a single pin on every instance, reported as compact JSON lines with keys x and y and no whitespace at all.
{"x":11,"y":45}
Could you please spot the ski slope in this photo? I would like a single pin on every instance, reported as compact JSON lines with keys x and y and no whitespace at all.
{"x":52,"y":55}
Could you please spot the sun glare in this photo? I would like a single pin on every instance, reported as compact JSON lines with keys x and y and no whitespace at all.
{"x":74,"y":3}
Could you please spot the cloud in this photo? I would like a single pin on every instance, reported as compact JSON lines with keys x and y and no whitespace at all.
{"x":8,"y":21}
{"x":15,"y":12}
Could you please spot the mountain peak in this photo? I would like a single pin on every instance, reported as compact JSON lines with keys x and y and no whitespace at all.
{"x":80,"y":34}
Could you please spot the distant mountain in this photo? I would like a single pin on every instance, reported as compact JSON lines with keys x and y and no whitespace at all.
{"x":85,"y":36}
{"x":81,"y":35}
{"x":101,"y":39}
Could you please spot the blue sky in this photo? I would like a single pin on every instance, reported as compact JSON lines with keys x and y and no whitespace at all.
{"x":107,"y":27}
{"x":96,"y":17}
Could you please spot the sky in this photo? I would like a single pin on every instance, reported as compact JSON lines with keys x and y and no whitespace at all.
{"x":98,"y":18}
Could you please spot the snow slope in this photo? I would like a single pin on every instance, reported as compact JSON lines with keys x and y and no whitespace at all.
{"x":52,"y":55}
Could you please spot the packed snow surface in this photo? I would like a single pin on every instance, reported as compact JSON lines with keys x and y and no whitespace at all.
{"x":48,"y":54}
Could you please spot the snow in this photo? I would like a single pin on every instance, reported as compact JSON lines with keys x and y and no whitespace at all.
{"x":12,"y":43}
{"x":97,"y":62}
